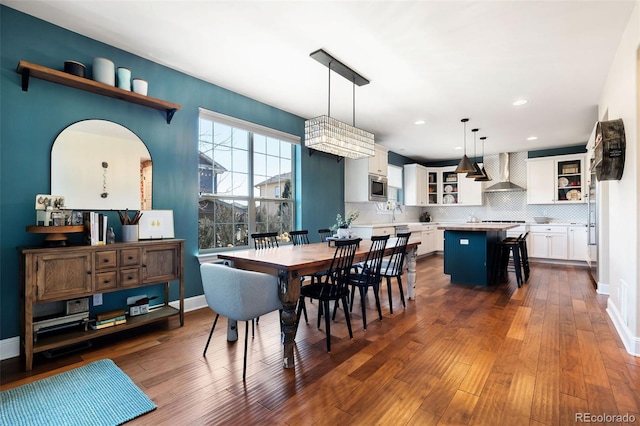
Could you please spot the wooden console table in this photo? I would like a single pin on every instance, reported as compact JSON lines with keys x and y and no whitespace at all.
{"x":64,"y":273}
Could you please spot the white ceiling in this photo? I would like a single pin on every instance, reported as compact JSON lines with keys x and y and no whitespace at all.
{"x":434,"y":60}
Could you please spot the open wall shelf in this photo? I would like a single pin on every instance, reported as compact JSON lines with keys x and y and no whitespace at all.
{"x":28,"y":70}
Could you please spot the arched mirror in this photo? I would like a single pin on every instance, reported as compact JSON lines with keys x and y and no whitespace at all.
{"x":101,"y":165}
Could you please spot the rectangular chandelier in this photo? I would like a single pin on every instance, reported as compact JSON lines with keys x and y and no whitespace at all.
{"x":332,"y":136}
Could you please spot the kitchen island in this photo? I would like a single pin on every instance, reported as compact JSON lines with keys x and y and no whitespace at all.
{"x":471,"y":253}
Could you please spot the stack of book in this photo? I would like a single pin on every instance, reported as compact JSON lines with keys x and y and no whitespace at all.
{"x":109,"y":319}
{"x":95,"y":228}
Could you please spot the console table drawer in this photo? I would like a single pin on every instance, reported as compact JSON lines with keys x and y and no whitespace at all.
{"x":130,"y":257}
{"x":106,"y":280}
{"x":106,"y":259}
{"x":130,"y":277}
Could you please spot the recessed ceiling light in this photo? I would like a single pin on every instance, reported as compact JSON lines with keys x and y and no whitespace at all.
{"x":419,"y":122}
{"x":458,"y":147}
{"x":520,"y":102}
{"x":532,"y":138}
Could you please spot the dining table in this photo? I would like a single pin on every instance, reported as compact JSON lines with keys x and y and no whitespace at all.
{"x":289,"y":263}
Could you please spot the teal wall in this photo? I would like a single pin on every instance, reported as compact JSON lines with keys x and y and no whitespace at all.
{"x":30,"y":122}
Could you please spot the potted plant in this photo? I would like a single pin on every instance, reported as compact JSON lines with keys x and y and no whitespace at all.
{"x":342,"y":225}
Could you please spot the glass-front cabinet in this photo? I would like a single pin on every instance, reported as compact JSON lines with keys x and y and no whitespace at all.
{"x":432,"y":187}
{"x":449,"y":187}
{"x":570,"y":184}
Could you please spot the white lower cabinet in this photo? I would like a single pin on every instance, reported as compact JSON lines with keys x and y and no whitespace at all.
{"x":577,"y":242}
{"x":366,"y":232}
{"x":548,"y":241}
{"x":439,"y":239}
{"x":428,"y":235}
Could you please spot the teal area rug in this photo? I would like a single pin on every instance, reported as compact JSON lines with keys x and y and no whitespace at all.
{"x":95,"y":394}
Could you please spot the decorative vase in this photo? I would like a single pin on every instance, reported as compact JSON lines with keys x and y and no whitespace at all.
{"x":343,"y":232}
{"x":124,"y":78}
{"x":140,"y":86}
{"x":104,"y":71}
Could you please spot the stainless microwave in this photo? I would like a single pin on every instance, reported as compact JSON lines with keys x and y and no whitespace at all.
{"x":378,"y":188}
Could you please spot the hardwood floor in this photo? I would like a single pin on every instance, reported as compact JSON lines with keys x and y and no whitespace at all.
{"x":456,"y":355}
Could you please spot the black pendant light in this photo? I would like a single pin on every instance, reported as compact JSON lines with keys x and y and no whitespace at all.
{"x":485,"y":177}
{"x":465,"y":165}
{"x":477,"y":172}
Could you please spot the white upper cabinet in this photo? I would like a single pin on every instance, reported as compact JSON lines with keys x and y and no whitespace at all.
{"x":415,"y":185}
{"x":556,"y":180}
{"x":378,"y":164}
{"x":356,"y":174}
{"x":471,"y":191}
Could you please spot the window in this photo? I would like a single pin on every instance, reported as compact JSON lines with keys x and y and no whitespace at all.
{"x":246,"y":181}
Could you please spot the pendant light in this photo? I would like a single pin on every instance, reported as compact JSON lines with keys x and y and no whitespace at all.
{"x":485,"y":177}
{"x":477,"y":172}
{"x":465,"y":165}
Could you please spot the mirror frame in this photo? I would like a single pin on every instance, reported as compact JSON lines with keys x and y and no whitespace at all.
{"x":101,"y":165}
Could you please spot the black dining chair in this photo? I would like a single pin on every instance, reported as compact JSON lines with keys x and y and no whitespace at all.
{"x":263,"y":240}
{"x":393,"y":266}
{"x":299,"y":237}
{"x":324,"y":234}
{"x":334,"y":286}
{"x":368,"y":275}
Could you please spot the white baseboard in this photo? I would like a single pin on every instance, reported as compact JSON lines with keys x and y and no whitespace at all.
{"x":10,"y":348}
{"x":602,"y":289}
{"x":631,"y":342}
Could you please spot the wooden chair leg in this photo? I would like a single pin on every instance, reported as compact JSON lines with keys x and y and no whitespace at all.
{"x":347,"y":316}
{"x":300,"y":307}
{"x":210,"y":334}
{"x":363,"y":296}
{"x":246,"y":338}
{"x":376,"y":293}
{"x":327,"y":322}
{"x":390,"y":298}
{"x":404,"y":305}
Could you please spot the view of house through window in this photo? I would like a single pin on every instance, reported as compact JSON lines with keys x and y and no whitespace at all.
{"x":246,"y":184}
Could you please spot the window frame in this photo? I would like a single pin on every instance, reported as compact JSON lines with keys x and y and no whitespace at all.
{"x":252,"y":199}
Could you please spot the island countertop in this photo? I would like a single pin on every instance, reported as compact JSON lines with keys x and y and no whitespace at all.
{"x":483,"y":227}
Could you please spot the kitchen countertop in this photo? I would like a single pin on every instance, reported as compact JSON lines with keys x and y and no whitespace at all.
{"x":483,"y":227}
{"x":441,"y":223}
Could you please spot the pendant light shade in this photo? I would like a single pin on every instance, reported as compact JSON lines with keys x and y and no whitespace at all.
{"x":465,"y":165}
{"x":477,"y":172}
{"x":485,"y":177}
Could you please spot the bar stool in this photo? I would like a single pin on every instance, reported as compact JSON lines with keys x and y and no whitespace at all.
{"x":524,"y":253}
{"x":510,"y":247}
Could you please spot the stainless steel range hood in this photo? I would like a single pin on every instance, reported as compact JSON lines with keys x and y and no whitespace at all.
{"x":504,"y":184}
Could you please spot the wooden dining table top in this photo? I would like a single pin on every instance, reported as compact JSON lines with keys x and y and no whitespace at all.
{"x":303,"y":259}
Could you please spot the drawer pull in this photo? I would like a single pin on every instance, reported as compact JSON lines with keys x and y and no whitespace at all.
{"x":106,"y":281}
{"x":105,"y":260}
{"x":129,"y":278}
{"x":130,"y":257}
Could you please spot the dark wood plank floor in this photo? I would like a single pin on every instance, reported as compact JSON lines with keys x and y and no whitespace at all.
{"x":456,"y":355}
